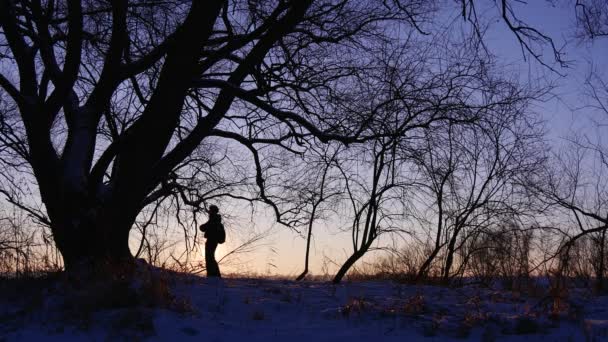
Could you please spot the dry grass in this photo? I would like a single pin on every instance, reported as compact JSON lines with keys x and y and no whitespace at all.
{"x":355,"y":305}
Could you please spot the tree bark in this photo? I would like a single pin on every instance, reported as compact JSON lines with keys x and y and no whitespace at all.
{"x":449,"y":259}
{"x":423,"y":272}
{"x":308,"y":238}
{"x":601,"y":266}
{"x":94,"y":242}
{"x":349,"y":263}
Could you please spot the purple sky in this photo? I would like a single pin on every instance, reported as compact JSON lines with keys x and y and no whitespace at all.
{"x":563,"y":116}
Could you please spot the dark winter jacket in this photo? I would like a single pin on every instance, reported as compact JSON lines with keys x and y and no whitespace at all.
{"x":214,"y":229}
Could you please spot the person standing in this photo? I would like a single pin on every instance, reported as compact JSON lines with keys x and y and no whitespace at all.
{"x":215,"y":234}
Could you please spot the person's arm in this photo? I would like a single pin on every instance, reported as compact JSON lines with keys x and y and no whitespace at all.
{"x":203,"y":227}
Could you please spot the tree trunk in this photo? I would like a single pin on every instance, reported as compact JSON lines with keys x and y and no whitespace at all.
{"x":449,"y":259}
{"x":600,"y":269}
{"x":306,"y":257}
{"x":425,"y":266}
{"x":94,"y":243}
{"x":99,"y":264}
{"x":349,"y":263}
{"x":96,"y":252}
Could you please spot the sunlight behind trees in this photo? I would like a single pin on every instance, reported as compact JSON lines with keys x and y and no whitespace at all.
{"x":324,"y":130}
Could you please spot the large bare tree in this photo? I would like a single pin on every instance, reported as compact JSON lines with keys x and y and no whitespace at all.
{"x":111,"y":97}
{"x":107,"y":103}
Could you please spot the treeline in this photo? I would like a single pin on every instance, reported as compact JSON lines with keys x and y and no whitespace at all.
{"x":393,"y":121}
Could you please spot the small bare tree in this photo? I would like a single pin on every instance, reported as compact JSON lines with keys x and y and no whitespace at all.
{"x":471,"y":177}
{"x":319,"y":189}
{"x":577,"y":186}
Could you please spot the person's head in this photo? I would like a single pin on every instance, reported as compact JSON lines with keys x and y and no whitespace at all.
{"x":213,"y":210}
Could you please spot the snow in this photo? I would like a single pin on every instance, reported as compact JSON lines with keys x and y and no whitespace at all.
{"x":236,"y":309}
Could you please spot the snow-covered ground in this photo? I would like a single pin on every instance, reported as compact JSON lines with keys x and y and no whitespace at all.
{"x":276,"y":310}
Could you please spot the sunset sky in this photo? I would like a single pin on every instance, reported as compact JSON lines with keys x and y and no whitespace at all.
{"x":282,"y":250}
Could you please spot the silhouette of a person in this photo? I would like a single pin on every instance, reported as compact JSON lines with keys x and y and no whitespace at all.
{"x":211,"y":229}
